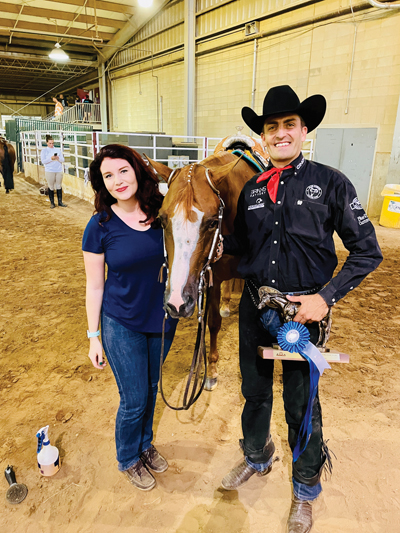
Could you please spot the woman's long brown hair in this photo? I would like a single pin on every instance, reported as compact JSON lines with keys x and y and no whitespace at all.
{"x":147,"y":194}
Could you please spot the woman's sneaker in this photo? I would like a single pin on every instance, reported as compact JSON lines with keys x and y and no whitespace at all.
{"x":154,"y":460}
{"x":140,"y":477}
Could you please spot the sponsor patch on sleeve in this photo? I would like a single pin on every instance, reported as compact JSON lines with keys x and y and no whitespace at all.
{"x":363,"y":219}
{"x":356,"y":204}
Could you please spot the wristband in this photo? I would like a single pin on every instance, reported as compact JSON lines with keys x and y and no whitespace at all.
{"x":91,"y":335}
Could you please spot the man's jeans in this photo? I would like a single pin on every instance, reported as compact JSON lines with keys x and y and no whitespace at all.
{"x":135,"y":361}
{"x":260,"y":329}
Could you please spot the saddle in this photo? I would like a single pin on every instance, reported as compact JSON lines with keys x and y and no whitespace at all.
{"x":287,"y":310}
{"x":245,"y":147}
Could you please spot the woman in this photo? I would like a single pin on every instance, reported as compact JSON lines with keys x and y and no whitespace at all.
{"x":52,"y":159}
{"x":58,"y":108}
{"x":125,"y":235}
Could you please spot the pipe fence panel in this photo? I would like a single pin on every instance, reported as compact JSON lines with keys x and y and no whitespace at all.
{"x":80,"y":147}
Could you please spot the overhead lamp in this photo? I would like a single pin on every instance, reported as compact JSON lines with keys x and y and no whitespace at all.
{"x":58,"y":54}
{"x":145,"y":3}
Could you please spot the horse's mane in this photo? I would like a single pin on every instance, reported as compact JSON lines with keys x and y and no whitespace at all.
{"x":185,"y":199}
{"x":184,"y":192}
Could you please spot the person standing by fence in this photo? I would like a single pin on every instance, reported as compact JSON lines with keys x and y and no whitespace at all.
{"x":52,"y":159}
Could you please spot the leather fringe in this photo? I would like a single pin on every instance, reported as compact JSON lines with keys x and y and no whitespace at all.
{"x":327,"y":467}
{"x":160,"y":274}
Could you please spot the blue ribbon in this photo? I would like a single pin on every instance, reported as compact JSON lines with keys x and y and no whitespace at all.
{"x":294,"y":337}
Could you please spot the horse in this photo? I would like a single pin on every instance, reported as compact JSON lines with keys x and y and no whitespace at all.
{"x":7,"y":162}
{"x":189,"y":216}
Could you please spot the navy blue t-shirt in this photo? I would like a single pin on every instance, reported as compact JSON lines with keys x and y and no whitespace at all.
{"x":133,"y":296}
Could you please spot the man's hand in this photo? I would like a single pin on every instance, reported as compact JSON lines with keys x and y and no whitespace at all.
{"x":313,"y":308}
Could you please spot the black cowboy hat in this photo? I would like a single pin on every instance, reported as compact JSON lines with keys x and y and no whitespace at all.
{"x":282,"y":100}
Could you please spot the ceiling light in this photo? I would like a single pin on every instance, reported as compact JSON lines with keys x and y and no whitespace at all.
{"x":145,"y":3}
{"x":58,"y":54}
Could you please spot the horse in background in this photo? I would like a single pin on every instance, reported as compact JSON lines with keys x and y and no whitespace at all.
{"x":7,"y":162}
{"x":189,"y":215}
{"x":254,"y":149}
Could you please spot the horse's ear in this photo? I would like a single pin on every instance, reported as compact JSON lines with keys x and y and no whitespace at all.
{"x":162,"y":170}
{"x":219,"y":173}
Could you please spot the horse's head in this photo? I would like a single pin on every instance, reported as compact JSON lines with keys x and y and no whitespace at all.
{"x":189,"y":216}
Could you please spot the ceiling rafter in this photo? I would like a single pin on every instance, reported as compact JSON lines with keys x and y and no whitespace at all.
{"x":52,"y":14}
{"x":89,"y":31}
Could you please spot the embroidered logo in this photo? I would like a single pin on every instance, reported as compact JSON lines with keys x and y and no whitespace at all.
{"x":259,"y":203}
{"x":300,"y":164}
{"x":355,"y":204}
{"x":363,"y":219}
{"x":314,"y":192}
{"x":258,"y":192}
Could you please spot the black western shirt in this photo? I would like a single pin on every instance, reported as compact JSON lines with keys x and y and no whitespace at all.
{"x":289,"y":244}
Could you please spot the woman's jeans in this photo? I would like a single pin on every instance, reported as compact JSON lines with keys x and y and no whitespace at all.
{"x":260,"y":329}
{"x":135,"y":361}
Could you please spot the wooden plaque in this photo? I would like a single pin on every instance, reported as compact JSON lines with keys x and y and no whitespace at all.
{"x":276,"y":353}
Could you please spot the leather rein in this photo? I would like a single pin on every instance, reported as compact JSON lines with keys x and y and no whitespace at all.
{"x":194,"y":387}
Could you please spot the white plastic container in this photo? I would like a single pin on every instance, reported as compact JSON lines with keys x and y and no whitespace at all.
{"x":48,"y":457}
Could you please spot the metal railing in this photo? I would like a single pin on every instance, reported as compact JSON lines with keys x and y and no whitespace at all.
{"x":80,"y":147}
{"x":78,"y":114}
{"x":77,"y":148}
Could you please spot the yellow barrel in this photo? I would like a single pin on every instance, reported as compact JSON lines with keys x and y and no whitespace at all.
{"x":390,"y":214}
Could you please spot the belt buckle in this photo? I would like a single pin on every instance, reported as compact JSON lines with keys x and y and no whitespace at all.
{"x":268,"y":296}
{"x":276,"y":300}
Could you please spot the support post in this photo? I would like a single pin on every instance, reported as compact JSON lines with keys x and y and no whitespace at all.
{"x":103,"y":97}
{"x":190,"y":68}
{"x":394,"y":163}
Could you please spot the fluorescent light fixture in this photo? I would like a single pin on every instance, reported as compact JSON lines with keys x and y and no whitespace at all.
{"x":58,"y":54}
{"x":145,"y":3}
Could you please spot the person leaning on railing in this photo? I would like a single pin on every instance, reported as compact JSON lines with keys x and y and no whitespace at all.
{"x":52,"y":159}
{"x":58,"y":110}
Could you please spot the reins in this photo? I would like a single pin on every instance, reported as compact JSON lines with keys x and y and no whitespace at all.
{"x":193,"y":389}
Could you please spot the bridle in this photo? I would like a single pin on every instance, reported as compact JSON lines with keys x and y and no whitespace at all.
{"x":193,"y":389}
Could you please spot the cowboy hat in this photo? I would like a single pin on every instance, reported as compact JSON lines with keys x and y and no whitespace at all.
{"x":283,"y":100}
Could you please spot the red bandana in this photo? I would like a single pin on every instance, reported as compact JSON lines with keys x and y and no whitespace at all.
{"x":272,"y":185}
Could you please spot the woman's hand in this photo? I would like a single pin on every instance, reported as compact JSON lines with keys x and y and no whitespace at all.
{"x":96,"y":353}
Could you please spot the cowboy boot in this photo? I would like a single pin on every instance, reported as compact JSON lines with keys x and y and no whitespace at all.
{"x":51,"y":198}
{"x":300,"y":516}
{"x":240,"y":474}
{"x":59,"y":198}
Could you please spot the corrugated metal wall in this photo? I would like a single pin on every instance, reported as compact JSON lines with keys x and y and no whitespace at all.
{"x":165,"y":30}
{"x":309,"y":46}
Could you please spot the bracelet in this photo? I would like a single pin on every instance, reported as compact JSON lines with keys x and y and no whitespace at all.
{"x":95,"y":334}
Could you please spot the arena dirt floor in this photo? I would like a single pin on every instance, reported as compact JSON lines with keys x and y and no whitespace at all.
{"x":46,"y":378}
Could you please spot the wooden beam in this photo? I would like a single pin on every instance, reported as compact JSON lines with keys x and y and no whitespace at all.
{"x":60,"y":15}
{"x":44,"y":45}
{"x":99,"y":4}
{"x":49,"y":28}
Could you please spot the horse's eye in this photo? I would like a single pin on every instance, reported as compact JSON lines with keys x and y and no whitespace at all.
{"x":213,"y":224}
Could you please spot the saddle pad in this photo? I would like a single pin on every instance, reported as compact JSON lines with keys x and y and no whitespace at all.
{"x":249,"y":159}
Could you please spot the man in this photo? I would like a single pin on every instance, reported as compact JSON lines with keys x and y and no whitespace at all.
{"x":283,"y":231}
{"x":63,"y":101}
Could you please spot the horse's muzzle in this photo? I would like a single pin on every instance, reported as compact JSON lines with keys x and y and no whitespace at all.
{"x":184,"y":311}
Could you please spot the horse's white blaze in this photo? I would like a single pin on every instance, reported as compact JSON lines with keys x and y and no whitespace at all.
{"x":186,"y":236}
